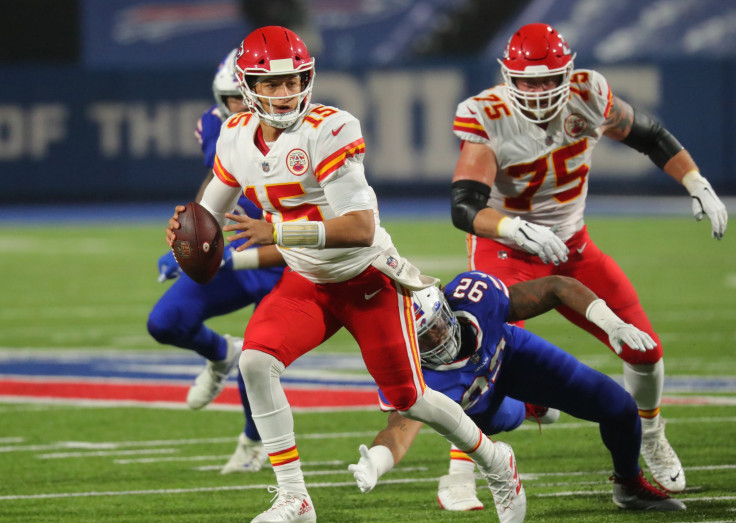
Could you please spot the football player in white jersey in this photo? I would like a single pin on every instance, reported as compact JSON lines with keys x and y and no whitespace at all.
{"x":519,"y":190}
{"x":302,"y":164}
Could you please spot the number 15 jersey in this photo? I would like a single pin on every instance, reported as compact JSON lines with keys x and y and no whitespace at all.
{"x":298,"y":177}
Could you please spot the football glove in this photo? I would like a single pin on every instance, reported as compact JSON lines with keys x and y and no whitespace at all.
{"x":364,"y":472}
{"x":625,"y":333}
{"x":168,"y":269}
{"x":533,"y":238}
{"x":619,"y":332}
{"x":705,"y":202}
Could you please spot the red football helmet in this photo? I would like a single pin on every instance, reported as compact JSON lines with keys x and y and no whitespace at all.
{"x":274,"y":51}
{"x":535,"y":51}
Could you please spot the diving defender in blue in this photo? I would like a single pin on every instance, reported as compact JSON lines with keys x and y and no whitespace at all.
{"x":179,"y":315}
{"x":471,"y":353}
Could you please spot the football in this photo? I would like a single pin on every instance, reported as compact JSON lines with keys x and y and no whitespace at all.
{"x":199,"y":243}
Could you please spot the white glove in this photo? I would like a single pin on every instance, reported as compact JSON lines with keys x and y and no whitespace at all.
{"x":365,"y":473}
{"x":619,"y":333}
{"x":536,"y":239}
{"x":373,"y":464}
{"x":625,"y":333}
{"x":705,"y":202}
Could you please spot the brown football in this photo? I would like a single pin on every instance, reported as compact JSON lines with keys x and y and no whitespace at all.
{"x":199,"y":243}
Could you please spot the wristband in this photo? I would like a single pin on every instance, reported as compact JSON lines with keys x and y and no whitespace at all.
{"x":507,"y":227}
{"x":600,"y":314}
{"x":693,"y":180}
{"x":382,"y":458}
{"x":247,"y":259}
{"x":300,"y":234}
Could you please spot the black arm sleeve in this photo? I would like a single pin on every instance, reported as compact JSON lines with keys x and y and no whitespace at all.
{"x":468,"y":197}
{"x":649,"y":137}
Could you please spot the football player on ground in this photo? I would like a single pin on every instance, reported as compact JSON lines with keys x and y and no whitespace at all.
{"x":303,"y":164}
{"x":179,"y":315}
{"x":519,"y":190}
{"x":491,"y":368}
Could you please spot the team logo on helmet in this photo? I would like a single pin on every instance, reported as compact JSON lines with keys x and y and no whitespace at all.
{"x":575,"y":125}
{"x":297,"y":161}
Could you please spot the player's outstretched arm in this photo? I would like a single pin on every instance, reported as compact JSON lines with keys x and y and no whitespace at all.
{"x":388,"y":448}
{"x":637,"y":130}
{"x":531,"y":298}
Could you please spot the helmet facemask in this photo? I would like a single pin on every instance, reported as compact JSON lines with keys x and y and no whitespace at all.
{"x":263,"y":105}
{"x":537,"y":51}
{"x":538,"y":106}
{"x":438,"y":331}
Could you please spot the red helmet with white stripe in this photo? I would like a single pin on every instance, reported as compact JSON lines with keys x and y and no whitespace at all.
{"x":535,"y":51}
{"x":274,"y":51}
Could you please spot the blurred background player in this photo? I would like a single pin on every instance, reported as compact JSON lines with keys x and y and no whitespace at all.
{"x":520,"y":185}
{"x":470,"y":353}
{"x":179,"y":315}
{"x":303,"y":164}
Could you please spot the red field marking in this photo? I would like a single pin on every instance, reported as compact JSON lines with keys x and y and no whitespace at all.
{"x":312,"y":397}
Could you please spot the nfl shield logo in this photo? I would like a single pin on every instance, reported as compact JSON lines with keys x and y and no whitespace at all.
{"x":265,"y":167}
{"x":392,"y":262}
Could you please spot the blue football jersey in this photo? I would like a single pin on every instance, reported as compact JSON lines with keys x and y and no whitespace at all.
{"x":482,"y":301}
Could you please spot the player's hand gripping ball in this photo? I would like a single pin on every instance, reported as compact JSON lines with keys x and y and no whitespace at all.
{"x":199,"y":243}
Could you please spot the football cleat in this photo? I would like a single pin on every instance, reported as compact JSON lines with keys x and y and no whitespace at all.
{"x":541,"y":415}
{"x":456,"y":492}
{"x":249,"y":456}
{"x":287,"y":507}
{"x":661,"y":459}
{"x":638,"y":494}
{"x":210,"y":382}
{"x":505,"y":484}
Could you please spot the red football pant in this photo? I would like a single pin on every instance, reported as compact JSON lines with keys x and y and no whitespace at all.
{"x":587,"y":264}
{"x":298,"y":315}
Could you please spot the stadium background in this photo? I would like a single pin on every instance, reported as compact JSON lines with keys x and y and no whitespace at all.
{"x":99,"y":97}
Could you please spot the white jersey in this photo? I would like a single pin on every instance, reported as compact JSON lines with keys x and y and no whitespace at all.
{"x":542,"y":173}
{"x":287,"y":181}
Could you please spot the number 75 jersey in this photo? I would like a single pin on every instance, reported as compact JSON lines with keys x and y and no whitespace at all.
{"x":542,"y":172}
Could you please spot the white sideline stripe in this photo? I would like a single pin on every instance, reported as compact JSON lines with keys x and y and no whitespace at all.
{"x":63,"y":455}
{"x":334,"y":435}
{"x":112,"y":445}
{"x":309,"y":485}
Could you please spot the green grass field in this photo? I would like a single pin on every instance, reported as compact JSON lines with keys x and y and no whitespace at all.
{"x":91,"y":288}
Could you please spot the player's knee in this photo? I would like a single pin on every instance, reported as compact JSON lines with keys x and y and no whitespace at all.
{"x":617,"y":404}
{"x":164,"y":326}
{"x":258,"y":368}
{"x":402,"y":398}
{"x":635,"y":357}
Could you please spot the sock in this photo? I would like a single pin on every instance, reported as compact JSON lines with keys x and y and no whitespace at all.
{"x":460,"y":462}
{"x":644,"y":383}
{"x":284,"y":457}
